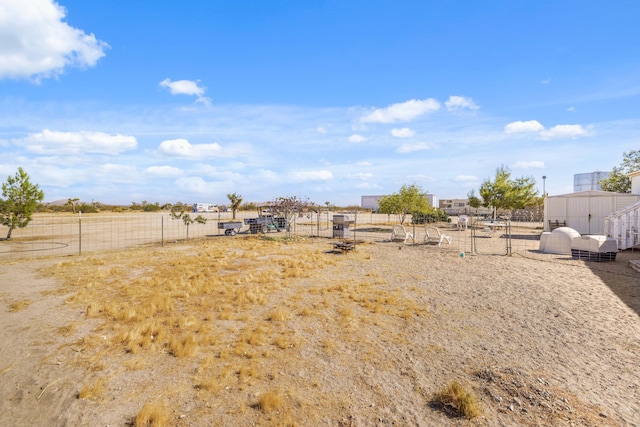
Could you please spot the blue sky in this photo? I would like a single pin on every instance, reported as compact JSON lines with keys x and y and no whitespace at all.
{"x":168,"y":101}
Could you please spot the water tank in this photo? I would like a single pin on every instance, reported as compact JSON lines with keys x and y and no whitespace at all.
{"x":588,"y":181}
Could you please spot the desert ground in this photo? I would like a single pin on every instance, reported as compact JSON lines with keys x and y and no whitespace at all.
{"x":267,"y":331}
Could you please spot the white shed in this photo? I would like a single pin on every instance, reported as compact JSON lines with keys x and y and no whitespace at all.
{"x":585,"y":211}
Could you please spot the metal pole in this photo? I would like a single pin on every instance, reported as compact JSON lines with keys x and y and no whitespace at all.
{"x":355,"y":225}
{"x":413,"y":232}
{"x":79,"y":233}
{"x":162,"y":230}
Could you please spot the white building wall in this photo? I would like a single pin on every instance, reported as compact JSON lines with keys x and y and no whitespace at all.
{"x":370,"y":202}
{"x":586,"y":211}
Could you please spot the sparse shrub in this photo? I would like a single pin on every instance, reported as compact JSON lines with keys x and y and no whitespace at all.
{"x":271,"y":401}
{"x":19,"y":305}
{"x":183,"y":346}
{"x":279,"y":314}
{"x":94,"y":390}
{"x":456,"y":400}
{"x":152,"y":415}
{"x":208,"y":384}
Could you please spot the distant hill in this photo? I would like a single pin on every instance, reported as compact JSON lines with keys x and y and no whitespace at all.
{"x":60,"y":202}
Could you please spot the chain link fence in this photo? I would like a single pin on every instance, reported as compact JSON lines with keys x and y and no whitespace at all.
{"x":67,"y":235}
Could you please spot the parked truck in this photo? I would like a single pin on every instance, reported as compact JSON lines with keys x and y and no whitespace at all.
{"x":265,"y":222}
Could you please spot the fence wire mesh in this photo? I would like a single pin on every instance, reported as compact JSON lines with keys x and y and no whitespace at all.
{"x":64,"y":235}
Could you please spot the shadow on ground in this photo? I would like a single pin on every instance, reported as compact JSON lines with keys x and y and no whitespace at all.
{"x":624,"y":282}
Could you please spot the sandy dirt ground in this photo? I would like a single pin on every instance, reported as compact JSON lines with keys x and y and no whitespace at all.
{"x":537,"y":339}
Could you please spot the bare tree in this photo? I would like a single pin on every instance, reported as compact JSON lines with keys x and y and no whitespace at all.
{"x":290,"y":207}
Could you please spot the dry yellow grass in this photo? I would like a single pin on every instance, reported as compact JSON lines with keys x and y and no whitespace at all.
{"x":270,"y":401}
{"x":93,"y":390}
{"x":153,"y":414}
{"x":238,"y":314}
{"x":456,"y":400}
{"x":19,"y":305}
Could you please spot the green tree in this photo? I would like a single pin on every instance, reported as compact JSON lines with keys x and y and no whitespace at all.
{"x":235,"y":200}
{"x":410,"y":198}
{"x":618,"y":180}
{"x":507,"y":193}
{"x":20,"y":200}
{"x":474,"y":201}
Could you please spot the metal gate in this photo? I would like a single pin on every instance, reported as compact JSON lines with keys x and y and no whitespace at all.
{"x":491,"y":237}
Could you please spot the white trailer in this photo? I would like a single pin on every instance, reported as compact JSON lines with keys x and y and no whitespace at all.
{"x":205,"y":207}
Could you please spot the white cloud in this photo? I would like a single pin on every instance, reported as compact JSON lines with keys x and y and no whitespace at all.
{"x":363,"y":163}
{"x":545,"y":81}
{"x":163,"y":171}
{"x":402,"y":112}
{"x":420,"y":177}
{"x":302,"y":176}
{"x":534,"y":164}
{"x":361,"y":176}
{"x":115,"y":172}
{"x":54,"y":142}
{"x":558,"y":131}
{"x":571,"y":109}
{"x":465,"y":178}
{"x":186,"y":87}
{"x":193,"y":184}
{"x":183,"y":87}
{"x":182,"y":148}
{"x":565,"y":131}
{"x":37,"y":43}
{"x":456,"y":103}
{"x":367,"y":186}
{"x":524,"y":127}
{"x":402,"y":133}
{"x":321,"y":130}
{"x":357,"y":138}
{"x":266,"y":175}
{"x":410,"y":148}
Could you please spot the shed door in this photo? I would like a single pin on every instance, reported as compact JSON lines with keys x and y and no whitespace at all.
{"x":578,"y":214}
{"x":600,"y":208}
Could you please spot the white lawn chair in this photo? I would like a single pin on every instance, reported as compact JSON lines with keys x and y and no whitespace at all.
{"x":462,"y":222}
{"x":432,"y":236}
{"x":399,"y":234}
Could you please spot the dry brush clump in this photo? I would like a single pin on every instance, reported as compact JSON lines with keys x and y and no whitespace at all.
{"x":93,"y":390}
{"x":19,"y":305}
{"x":153,"y":414}
{"x":454,"y":399}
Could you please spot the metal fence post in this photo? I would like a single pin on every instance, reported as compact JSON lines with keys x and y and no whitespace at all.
{"x":355,"y":225}
{"x":413,"y":232}
{"x":79,"y":233}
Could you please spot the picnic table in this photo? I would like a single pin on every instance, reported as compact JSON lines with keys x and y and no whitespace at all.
{"x":344,"y":246}
{"x":494,"y":225}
